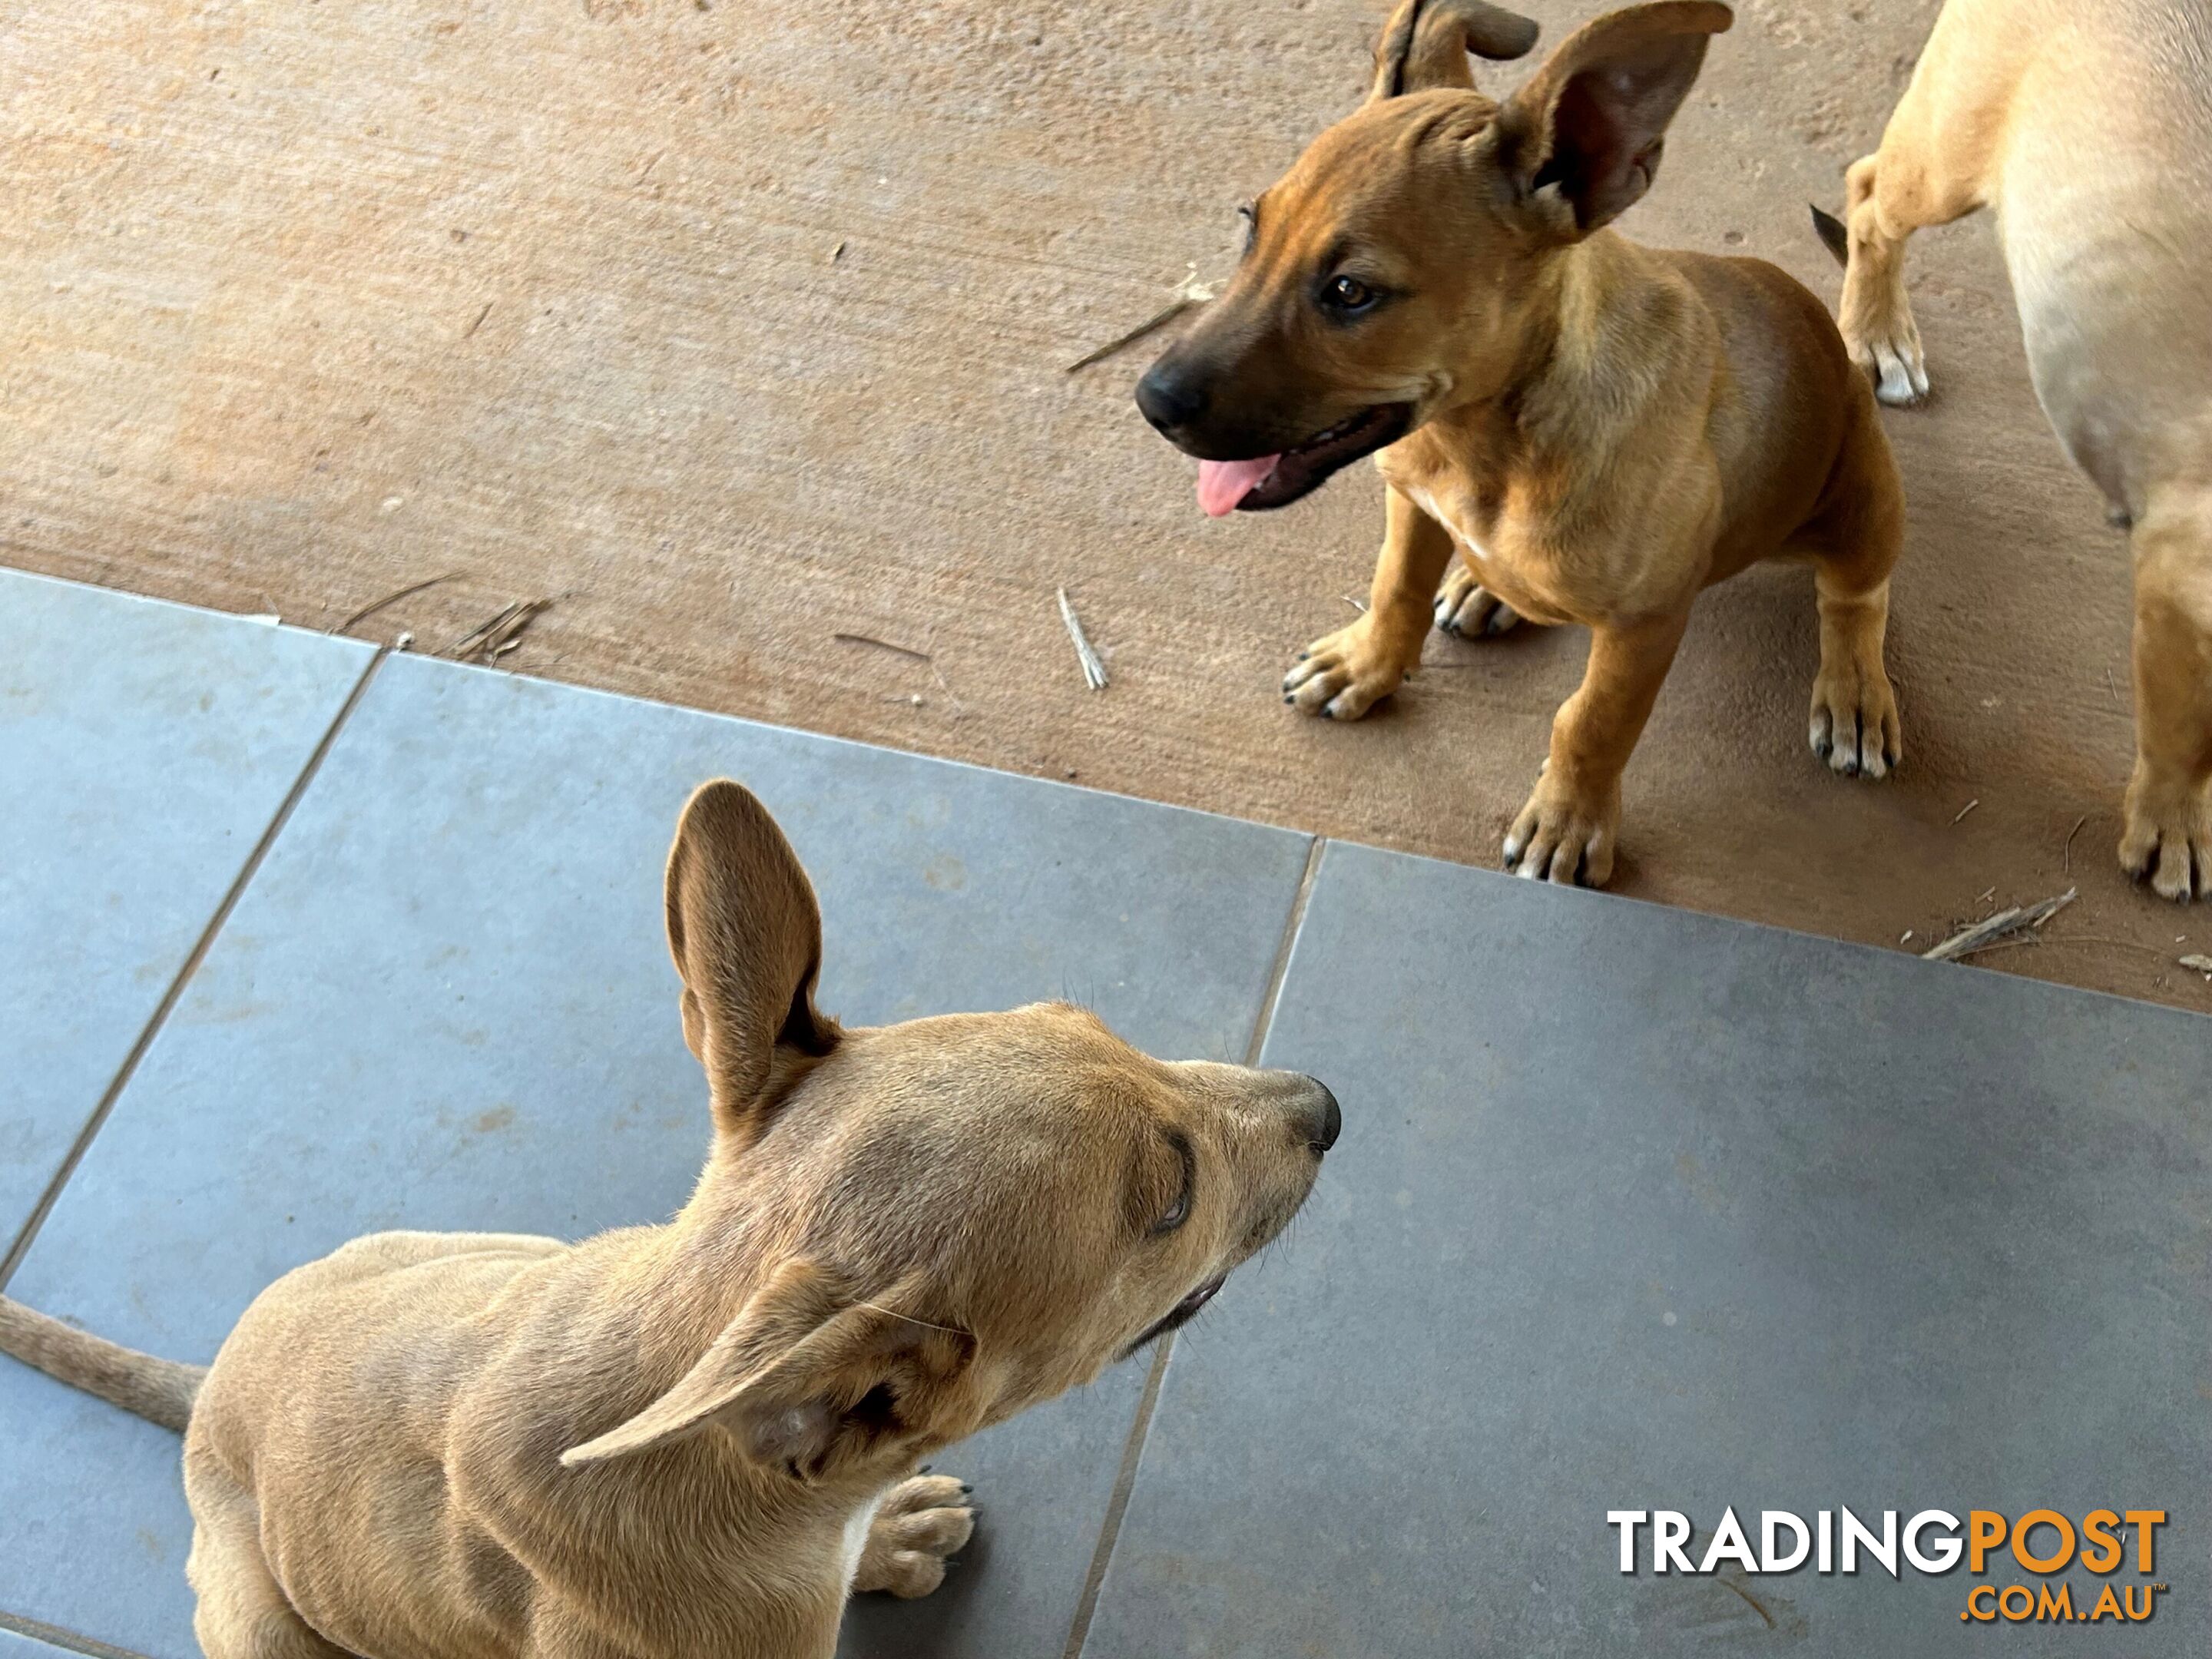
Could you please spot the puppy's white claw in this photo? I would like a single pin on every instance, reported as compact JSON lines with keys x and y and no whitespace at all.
{"x":1903,"y":380}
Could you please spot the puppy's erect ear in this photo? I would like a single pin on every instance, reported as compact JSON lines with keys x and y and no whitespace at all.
{"x":809,"y":1381}
{"x":1425,"y":44}
{"x":746,"y":935}
{"x":1593,"y":119}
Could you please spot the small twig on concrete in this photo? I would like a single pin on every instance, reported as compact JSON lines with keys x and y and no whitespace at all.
{"x":368,"y":610}
{"x":1967,"y":808}
{"x":1191,"y":293}
{"x":881,"y":644}
{"x":1360,"y":606}
{"x":2020,"y":919}
{"x":1158,"y":320}
{"x":2202,"y":965}
{"x":469,"y":332}
{"x":492,"y":639}
{"x":2066,"y":853}
{"x":1094,"y":672}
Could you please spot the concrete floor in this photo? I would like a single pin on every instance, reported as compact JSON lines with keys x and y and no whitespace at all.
{"x":735,"y":328}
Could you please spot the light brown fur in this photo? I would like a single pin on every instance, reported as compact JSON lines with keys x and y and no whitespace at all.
{"x":697,"y":1438}
{"x":1600,"y":431}
{"x":2088,"y":128}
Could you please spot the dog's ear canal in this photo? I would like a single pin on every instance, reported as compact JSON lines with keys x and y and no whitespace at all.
{"x":1593,"y":119}
{"x":746,"y":935}
{"x":1425,"y":44}
{"x":809,"y":1381}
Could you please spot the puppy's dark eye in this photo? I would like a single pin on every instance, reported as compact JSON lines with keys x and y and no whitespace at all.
{"x":1179,"y":1212}
{"x":1347,"y":295}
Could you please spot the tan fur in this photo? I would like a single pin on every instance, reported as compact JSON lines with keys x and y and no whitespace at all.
{"x":2088,"y":128}
{"x":698,"y":1438}
{"x":1598,"y":430}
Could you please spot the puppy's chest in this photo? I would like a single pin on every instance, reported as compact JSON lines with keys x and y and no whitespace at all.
{"x":855,"y":1541}
{"x":1505,"y":563}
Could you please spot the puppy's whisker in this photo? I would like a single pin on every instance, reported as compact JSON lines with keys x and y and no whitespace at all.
{"x":952,"y":1330}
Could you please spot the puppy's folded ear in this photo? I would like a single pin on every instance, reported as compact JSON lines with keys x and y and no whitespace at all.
{"x":809,"y":1380}
{"x":746,"y":935}
{"x":1592,"y":121}
{"x":1425,"y":44}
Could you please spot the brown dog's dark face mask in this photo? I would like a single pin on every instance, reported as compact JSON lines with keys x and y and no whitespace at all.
{"x":1388,"y":273}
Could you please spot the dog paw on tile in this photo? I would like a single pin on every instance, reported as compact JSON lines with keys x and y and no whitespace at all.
{"x":919,"y":1523}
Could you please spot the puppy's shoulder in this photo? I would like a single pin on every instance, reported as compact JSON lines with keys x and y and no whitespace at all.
{"x":1748,"y":294}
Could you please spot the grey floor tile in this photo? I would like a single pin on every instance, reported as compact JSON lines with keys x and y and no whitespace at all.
{"x":445,"y":1002}
{"x":143,"y":750}
{"x":14,"y":1646}
{"x":1635,"y":1209}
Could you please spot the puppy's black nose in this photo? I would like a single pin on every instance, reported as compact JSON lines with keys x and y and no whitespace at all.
{"x":1169,"y":396}
{"x":1328,"y":1123}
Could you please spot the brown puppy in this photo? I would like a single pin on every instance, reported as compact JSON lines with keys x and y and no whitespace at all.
{"x":698,"y":1438}
{"x":2089,"y":129}
{"x":1600,"y":429}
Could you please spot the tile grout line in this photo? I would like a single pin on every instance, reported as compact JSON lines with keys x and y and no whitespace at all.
{"x":22,"y":1245}
{"x":55,"y":1636}
{"x":1133,"y":1449}
{"x":1281,"y":968}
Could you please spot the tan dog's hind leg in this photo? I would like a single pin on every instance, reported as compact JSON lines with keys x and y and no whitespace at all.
{"x":1924,"y":174}
{"x":242,"y":1615}
{"x":1566,"y":832}
{"x":1466,"y":610}
{"x":919,"y":1523}
{"x":2166,"y":825}
{"x":1342,"y":675}
{"x":1854,"y":544}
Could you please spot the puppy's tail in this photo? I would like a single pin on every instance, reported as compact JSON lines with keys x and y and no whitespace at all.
{"x":1833,"y":235}
{"x":160,"y":1391}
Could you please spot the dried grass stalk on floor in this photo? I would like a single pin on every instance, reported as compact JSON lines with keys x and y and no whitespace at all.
{"x":1991,"y":930}
{"x":492,"y":639}
{"x":1094,"y":671}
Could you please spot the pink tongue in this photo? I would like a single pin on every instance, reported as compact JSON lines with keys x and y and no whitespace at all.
{"x":1222,"y":484}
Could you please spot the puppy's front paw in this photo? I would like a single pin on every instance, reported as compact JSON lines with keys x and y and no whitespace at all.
{"x":919,"y":1523}
{"x":1466,"y":610}
{"x":1854,"y":727}
{"x":1565,"y":835}
{"x":1340,"y":676}
{"x":2166,"y":836}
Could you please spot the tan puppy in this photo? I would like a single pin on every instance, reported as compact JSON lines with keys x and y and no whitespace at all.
{"x":2089,"y":128}
{"x":697,"y":1438}
{"x":1600,"y":430}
